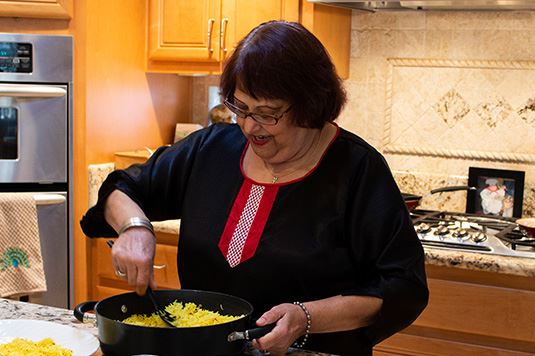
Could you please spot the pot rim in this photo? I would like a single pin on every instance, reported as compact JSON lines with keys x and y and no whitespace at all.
{"x":204,"y":292}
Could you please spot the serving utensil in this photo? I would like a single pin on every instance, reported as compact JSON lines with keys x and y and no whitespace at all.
{"x":167,"y":317}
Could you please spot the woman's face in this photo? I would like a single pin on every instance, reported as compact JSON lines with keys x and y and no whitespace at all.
{"x":273,"y":143}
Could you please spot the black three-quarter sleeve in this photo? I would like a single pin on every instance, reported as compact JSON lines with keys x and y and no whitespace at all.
{"x":384,"y":242}
{"x":157,"y":185}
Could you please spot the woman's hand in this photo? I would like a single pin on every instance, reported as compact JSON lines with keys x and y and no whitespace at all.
{"x":133,"y":252}
{"x":337,"y":313}
{"x":133,"y":255}
{"x":291,"y":324}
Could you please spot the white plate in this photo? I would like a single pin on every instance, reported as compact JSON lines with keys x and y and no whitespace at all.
{"x":80,"y":342}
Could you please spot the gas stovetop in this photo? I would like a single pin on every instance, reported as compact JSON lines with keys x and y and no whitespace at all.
{"x":474,"y":233}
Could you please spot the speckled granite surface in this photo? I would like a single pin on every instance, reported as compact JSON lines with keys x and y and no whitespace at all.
{"x":167,"y":226}
{"x":10,"y":309}
{"x":480,"y":262}
{"x":96,"y":175}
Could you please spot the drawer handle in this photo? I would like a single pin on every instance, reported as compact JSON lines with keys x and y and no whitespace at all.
{"x":210,"y":27}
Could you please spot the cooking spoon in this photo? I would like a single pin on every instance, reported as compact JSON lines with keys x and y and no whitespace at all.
{"x":167,"y":317}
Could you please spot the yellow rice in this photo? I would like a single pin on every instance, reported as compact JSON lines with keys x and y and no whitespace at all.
{"x":25,"y":347}
{"x":187,"y":315}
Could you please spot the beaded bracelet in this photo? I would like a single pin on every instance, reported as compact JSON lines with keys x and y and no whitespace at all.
{"x":136,"y":222}
{"x":309,"y":323}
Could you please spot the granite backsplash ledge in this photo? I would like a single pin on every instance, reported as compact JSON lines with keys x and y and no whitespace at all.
{"x":422,"y":184}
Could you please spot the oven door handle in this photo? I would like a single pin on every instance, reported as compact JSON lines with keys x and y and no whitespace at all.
{"x":31,"y":90}
{"x":48,"y":199}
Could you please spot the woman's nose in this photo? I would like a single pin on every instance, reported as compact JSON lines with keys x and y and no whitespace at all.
{"x":248,"y":124}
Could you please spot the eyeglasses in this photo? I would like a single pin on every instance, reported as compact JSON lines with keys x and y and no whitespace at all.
{"x":263,"y":119}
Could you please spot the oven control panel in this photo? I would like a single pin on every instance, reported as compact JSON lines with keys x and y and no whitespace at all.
{"x":16,"y":57}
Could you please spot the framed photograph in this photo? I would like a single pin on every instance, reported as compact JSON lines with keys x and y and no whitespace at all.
{"x":498,"y":192}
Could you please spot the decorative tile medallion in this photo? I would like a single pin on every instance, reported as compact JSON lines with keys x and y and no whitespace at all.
{"x":452,"y":108}
{"x":527,"y":111}
{"x":461,"y":109}
{"x":493,"y":111}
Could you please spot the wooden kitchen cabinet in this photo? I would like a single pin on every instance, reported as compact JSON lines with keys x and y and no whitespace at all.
{"x":470,"y":313}
{"x":104,"y":282}
{"x":53,"y":9}
{"x":332,"y":26}
{"x":195,"y":37}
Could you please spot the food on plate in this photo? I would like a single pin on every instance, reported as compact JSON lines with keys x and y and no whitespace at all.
{"x":22,"y":347}
{"x":187,"y":315}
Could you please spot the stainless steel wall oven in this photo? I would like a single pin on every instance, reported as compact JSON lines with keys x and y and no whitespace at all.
{"x":36,"y":145}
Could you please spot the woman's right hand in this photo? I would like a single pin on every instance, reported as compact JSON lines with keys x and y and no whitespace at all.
{"x":133,"y":254}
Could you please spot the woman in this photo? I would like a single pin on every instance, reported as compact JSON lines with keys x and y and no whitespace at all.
{"x":282,"y":207}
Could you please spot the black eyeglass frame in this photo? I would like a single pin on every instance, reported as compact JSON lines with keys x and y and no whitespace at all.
{"x":245,"y":114}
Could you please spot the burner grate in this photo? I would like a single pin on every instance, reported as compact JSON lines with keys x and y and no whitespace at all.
{"x":515,"y":237}
{"x":464,"y":231}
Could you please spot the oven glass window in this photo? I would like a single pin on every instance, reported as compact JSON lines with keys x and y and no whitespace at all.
{"x":8,"y":133}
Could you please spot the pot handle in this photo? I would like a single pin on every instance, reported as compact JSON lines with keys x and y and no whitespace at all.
{"x":82,"y":308}
{"x":251,"y":333}
{"x":452,"y":188}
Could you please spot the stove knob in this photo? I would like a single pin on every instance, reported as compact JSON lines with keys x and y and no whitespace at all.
{"x":442,"y":230}
{"x":422,"y":228}
{"x":479,"y":237}
{"x":460,"y":233}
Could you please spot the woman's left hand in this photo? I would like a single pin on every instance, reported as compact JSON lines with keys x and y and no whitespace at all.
{"x":291,"y":324}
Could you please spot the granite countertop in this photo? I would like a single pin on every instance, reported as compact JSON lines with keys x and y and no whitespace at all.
{"x":519,"y":266}
{"x":10,"y":309}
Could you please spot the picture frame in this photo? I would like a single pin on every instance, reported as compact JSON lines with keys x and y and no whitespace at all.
{"x":498,"y":192}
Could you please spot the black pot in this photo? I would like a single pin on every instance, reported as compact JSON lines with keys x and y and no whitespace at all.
{"x":117,"y":338}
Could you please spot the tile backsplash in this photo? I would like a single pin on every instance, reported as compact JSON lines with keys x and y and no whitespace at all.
{"x":439,"y":92}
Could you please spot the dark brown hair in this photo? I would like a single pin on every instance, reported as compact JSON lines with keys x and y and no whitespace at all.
{"x":283,"y":60}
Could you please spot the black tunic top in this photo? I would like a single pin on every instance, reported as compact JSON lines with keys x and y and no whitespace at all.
{"x":343,"y":229}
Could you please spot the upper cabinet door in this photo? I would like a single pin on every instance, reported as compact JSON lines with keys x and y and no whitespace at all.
{"x":195,"y":37}
{"x":239,"y":17}
{"x":54,"y":9}
{"x":184,"y":30}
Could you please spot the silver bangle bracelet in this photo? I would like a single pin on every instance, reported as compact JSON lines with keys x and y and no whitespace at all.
{"x":136,"y":222}
{"x":309,"y":324}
